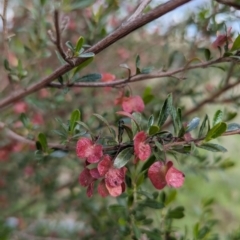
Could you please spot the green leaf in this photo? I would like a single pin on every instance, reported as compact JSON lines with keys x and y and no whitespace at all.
{"x":70,"y":45}
{"x":137,"y":62}
{"x":202,"y":129}
{"x":175,"y":119}
{"x":170,"y":197}
{"x":116,"y":208}
{"x":165,"y":111}
{"x":136,"y":122}
{"x":176,"y":213}
{"x":59,"y":154}
{"x":129,"y":131}
{"x":153,"y":130}
{"x":217,"y":118}
{"x":207,"y":54}
{"x":148,"y":163}
{"x":216,"y":131}
{"x":123,"y":157}
{"x":147,"y":70}
{"x":87,"y":55}
{"x":79,"y":44}
{"x":75,"y":116}
{"x":25,"y":120}
{"x":101,"y":118}
{"x":212,"y":147}
{"x":233,"y":127}
{"x":6,"y":65}
{"x":61,"y":60}
{"x":150,"y":121}
{"x":147,"y":95}
{"x":236,"y":44}
{"x":152,"y":204}
{"x":82,"y":65}
{"x":192,"y":124}
{"x":124,"y":65}
{"x":85,"y":126}
{"x":227,"y":164}
{"x":43,"y":141}
{"x":92,"y":77}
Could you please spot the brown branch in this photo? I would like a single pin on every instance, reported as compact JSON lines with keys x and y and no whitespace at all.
{"x":119,"y":33}
{"x":141,"y":77}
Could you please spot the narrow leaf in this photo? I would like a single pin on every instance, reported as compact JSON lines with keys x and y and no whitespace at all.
{"x":192,"y":124}
{"x":236,"y":44}
{"x":43,"y":141}
{"x":87,"y":55}
{"x":75,"y":116}
{"x":92,"y":77}
{"x":165,"y":111}
{"x":123,"y":157}
{"x":81,"y":66}
{"x":216,"y":131}
{"x":152,"y":204}
{"x":79,"y":44}
{"x":153,"y":130}
{"x":212,"y":147}
{"x":233,"y":127}
{"x":101,"y":118}
{"x":217,"y":118}
{"x":137,"y":62}
{"x":203,"y":129}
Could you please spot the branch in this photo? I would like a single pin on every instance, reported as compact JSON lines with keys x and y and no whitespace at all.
{"x":58,"y":41}
{"x":141,"y":77}
{"x":119,"y":33}
{"x":14,"y":136}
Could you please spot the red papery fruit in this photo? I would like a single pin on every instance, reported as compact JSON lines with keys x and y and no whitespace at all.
{"x":102,"y":189}
{"x":20,"y":107}
{"x":161,"y":174}
{"x":104,"y":165}
{"x":222,"y":39}
{"x":141,"y":148}
{"x":107,"y":77}
{"x":87,"y":149}
{"x":130,"y":104}
{"x":133,"y":104}
{"x":85,"y":178}
{"x":113,"y":182}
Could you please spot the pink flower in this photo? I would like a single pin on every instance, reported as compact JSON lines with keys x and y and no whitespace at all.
{"x":130,"y":104}
{"x":161,"y":174}
{"x":113,"y":182}
{"x":141,"y":148}
{"x":87,"y":149}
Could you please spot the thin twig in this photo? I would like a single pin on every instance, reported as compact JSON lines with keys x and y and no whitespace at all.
{"x":118,"y":34}
{"x":5,"y":30}
{"x":58,"y":41}
{"x":141,"y":77}
{"x":139,"y":10}
{"x":14,"y":136}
